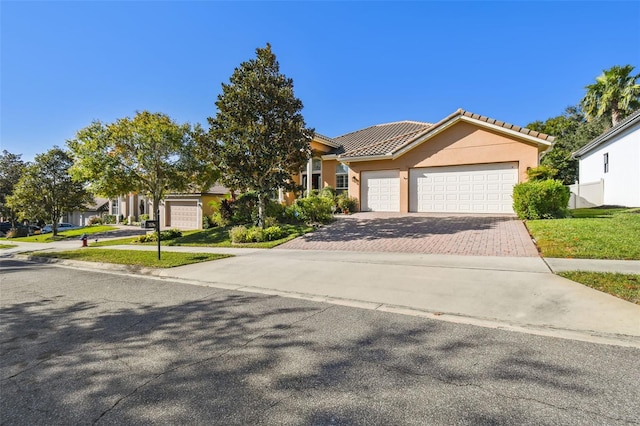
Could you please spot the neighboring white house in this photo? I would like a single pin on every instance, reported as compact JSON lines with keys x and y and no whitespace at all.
{"x":609,"y":167}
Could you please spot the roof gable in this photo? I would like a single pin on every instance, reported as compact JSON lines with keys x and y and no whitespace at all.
{"x":609,"y":134}
{"x":394,"y":139}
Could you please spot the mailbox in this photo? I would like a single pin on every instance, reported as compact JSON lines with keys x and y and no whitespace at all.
{"x":148,"y":224}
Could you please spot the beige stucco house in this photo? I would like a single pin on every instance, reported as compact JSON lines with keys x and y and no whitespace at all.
{"x":464,"y":163}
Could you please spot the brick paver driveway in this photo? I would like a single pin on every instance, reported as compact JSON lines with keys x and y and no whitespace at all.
{"x":478,"y":235}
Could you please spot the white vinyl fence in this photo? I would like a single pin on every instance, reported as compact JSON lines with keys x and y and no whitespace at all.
{"x":589,"y":194}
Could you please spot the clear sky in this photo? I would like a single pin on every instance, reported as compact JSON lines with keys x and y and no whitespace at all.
{"x":354,"y":64}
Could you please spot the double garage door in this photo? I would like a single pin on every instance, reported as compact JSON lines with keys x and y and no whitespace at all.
{"x":479,"y":188}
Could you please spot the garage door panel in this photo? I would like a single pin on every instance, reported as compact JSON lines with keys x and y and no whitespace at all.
{"x":183,"y":214}
{"x":380,"y":191}
{"x":482,"y":188}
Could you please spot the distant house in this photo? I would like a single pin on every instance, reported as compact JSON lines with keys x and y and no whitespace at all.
{"x":81,"y":217}
{"x":182,"y":211}
{"x":609,"y":167}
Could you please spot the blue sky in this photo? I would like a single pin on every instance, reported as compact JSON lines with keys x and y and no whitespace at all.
{"x":354,"y":64}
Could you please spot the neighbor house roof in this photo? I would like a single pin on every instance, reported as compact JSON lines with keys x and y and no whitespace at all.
{"x":606,"y":136}
{"x":394,"y":139}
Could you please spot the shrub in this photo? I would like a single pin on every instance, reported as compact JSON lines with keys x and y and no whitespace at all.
{"x":273,"y":233}
{"x":143,"y":217}
{"x":541,"y":173}
{"x":328,"y":192}
{"x":542,"y":199}
{"x":207,"y":222}
{"x":169,"y":234}
{"x":312,"y":209}
{"x":238,"y":234}
{"x":95,"y":220}
{"x":347,"y":204}
{"x":245,"y":208}
{"x":255,"y":234}
{"x":109,"y":218}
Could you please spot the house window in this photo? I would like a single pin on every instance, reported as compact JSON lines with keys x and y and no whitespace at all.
{"x":606,"y":162}
{"x":115,"y":207}
{"x":342,"y":178}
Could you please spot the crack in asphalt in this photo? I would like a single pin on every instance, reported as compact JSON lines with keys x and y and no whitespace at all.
{"x":202,"y":361}
{"x":406,"y":371}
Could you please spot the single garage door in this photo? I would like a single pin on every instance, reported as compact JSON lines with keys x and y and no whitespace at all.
{"x":183,"y":214}
{"x":380,"y":191}
{"x":479,"y":188}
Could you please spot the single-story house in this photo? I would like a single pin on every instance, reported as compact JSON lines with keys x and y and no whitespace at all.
{"x":81,"y":217}
{"x":609,"y":167}
{"x":464,"y":163}
{"x":182,"y":211}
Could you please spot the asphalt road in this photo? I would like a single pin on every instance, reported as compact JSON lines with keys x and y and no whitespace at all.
{"x":83,"y":347}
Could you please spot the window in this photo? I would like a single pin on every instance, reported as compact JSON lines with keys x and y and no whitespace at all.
{"x":115,"y":207}
{"x":316,"y":174}
{"x":342,"y":178}
{"x":606,"y":162}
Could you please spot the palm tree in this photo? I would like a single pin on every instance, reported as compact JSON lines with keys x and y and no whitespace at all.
{"x":615,"y":93}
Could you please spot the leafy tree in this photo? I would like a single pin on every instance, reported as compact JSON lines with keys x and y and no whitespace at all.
{"x":615,"y":94}
{"x":149,"y":154}
{"x":258,"y":133}
{"x":572,"y":131}
{"x":46,"y":190}
{"x":11,"y":169}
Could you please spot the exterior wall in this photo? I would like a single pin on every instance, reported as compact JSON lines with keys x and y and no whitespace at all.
{"x":622,"y":182}
{"x":329,"y":173}
{"x":206,"y":199}
{"x":461,"y":144}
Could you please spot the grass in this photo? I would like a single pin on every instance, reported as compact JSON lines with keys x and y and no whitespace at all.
{"x":5,"y":246}
{"x":214,"y":237}
{"x":133,"y":257}
{"x":70,"y":234}
{"x":624,"y":286}
{"x":591,"y":234}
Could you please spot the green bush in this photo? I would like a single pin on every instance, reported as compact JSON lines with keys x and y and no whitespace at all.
{"x":327,"y":192}
{"x":95,"y":220}
{"x":311,"y":209}
{"x":347,"y":204}
{"x":238,"y":234}
{"x":541,"y":173}
{"x":245,"y":208}
{"x":169,"y":234}
{"x":109,"y":218}
{"x":255,"y":234}
{"x":143,"y":217}
{"x":273,"y":233}
{"x":541,"y":199}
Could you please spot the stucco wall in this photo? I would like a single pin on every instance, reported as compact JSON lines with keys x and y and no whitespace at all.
{"x":622,"y":182}
{"x":461,"y":144}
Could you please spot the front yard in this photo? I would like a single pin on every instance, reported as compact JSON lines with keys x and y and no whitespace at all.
{"x":70,"y":234}
{"x":624,"y":286}
{"x":590,"y":234}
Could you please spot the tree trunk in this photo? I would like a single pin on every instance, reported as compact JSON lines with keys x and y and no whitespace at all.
{"x":615,"y":115}
{"x":156,"y":204}
{"x":260,"y":210}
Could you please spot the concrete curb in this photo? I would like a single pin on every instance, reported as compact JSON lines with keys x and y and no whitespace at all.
{"x":164,"y":275}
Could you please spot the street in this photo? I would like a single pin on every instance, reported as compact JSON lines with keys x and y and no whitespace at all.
{"x":81,"y":347}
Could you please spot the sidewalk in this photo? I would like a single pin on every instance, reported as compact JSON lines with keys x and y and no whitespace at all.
{"x":514,"y":293}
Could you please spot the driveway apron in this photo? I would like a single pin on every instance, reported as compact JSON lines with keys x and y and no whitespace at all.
{"x":472,"y":235}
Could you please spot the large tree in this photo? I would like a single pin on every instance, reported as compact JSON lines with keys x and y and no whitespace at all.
{"x":615,"y":94}
{"x":572,"y":131}
{"x":11,"y":169}
{"x":149,"y":154}
{"x":46,"y":190}
{"x":258,"y":133}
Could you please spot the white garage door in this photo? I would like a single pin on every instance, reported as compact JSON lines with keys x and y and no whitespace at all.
{"x":479,"y":188}
{"x":380,"y":191}
{"x":183,"y":214}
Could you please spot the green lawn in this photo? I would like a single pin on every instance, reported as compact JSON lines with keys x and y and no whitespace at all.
{"x":4,"y":246}
{"x":214,"y":237}
{"x":133,"y":257}
{"x":70,"y":234}
{"x":624,"y":286}
{"x":591,"y":234}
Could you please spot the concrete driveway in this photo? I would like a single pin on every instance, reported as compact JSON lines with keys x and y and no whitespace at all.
{"x":472,"y":235}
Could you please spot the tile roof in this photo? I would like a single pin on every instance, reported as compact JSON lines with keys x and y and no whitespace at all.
{"x":387,"y":139}
{"x":623,"y":125}
{"x":381,"y":138}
